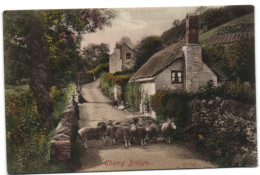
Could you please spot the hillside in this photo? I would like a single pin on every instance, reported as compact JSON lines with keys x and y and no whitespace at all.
{"x":229,"y":18}
{"x":242,"y":24}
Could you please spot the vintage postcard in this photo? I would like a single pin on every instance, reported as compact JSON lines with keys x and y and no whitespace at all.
{"x":121,"y":89}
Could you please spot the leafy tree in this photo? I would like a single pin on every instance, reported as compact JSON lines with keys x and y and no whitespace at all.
{"x":127,"y":40}
{"x":35,"y":32}
{"x":214,"y":17}
{"x":95,"y":54}
{"x":176,"y":23}
{"x":146,"y":48}
{"x":175,"y":34}
{"x":201,"y":9}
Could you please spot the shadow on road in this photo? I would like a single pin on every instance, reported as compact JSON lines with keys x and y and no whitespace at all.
{"x":90,"y":157}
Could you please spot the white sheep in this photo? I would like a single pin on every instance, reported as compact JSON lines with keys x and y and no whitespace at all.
{"x":90,"y":133}
{"x":167,"y":129}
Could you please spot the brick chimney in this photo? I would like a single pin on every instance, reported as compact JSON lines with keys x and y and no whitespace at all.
{"x":191,"y":36}
{"x":196,"y":72}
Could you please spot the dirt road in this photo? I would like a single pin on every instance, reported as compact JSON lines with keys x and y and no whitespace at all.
{"x":117,"y":157}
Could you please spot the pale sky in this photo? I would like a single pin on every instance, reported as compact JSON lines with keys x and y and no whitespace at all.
{"x":137,"y":23}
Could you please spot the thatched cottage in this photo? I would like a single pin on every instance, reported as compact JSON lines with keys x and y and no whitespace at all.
{"x":123,"y":58}
{"x":177,"y":67}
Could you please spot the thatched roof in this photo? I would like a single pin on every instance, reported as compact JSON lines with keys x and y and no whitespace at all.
{"x":159,"y":61}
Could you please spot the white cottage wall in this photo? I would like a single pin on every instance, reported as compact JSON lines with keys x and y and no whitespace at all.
{"x":196,"y":72}
{"x":147,"y":89}
{"x":163,"y":80}
{"x":207,"y":74}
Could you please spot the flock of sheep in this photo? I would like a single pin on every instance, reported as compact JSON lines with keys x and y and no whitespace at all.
{"x":141,"y":129}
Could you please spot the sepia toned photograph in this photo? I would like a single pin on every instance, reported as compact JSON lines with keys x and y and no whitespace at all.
{"x":127,"y":89}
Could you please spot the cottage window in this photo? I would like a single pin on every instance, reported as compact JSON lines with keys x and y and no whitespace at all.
{"x":128,"y":55}
{"x":176,"y":77}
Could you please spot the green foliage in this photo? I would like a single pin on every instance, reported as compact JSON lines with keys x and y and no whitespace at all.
{"x":22,"y":119}
{"x":60,"y":97}
{"x":108,"y":81}
{"x":15,"y":90}
{"x":240,"y":91}
{"x":102,"y":59}
{"x":247,"y":20}
{"x":17,"y":61}
{"x":125,"y":72}
{"x":132,"y":94}
{"x":209,"y":18}
{"x":209,"y":91}
{"x":106,"y":87}
{"x":173,"y":105}
{"x":47,"y":43}
{"x":175,"y":34}
{"x":241,"y":60}
{"x":214,"y":17}
{"x":146,"y":48}
{"x":146,"y":103}
{"x":222,"y":149}
{"x":28,"y":148}
{"x":237,"y":90}
{"x":98,"y":70}
{"x":120,"y":79}
{"x":131,"y":91}
{"x":236,"y":60}
{"x":215,"y":56}
{"x":93,"y":55}
{"x":93,"y":74}
{"x":236,"y":29}
{"x":63,"y":54}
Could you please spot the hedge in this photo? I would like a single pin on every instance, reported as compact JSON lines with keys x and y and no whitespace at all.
{"x":132,"y":94}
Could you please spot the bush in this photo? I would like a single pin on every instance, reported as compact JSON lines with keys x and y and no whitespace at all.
{"x":91,"y":75}
{"x":209,"y":91}
{"x":240,"y":91}
{"x":132,"y":94}
{"x":235,"y":60}
{"x":237,"y":90}
{"x":106,"y":88}
{"x":97,"y":70}
{"x":28,"y":148}
{"x":223,"y":147}
{"x":119,"y":79}
{"x":108,"y":81}
{"x":22,"y":118}
{"x":59,"y":98}
{"x":173,"y":105}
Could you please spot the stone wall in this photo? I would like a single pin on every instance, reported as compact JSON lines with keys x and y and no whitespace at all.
{"x":61,"y":144}
{"x":232,"y":123}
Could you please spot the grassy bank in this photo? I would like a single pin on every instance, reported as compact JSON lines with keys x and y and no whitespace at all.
{"x":28,"y":149}
{"x":15,"y":90}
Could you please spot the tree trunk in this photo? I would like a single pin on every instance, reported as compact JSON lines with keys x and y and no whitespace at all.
{"x":40,"y":83}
